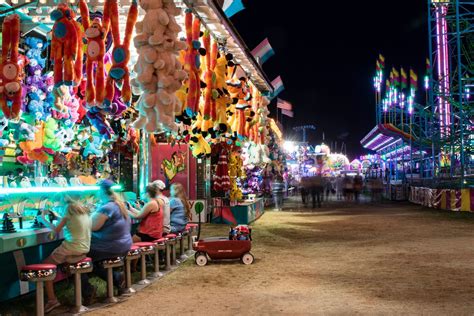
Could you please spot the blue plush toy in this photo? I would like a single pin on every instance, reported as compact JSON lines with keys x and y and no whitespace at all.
{"x":35,"y":47}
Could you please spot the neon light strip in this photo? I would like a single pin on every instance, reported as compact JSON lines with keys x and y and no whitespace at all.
{"x":382,"y":148}
{"x":444,"y":107}
{"x":92,"y":188}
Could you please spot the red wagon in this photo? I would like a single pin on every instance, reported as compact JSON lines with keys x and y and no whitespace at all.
{"x":221,"y":248}
{"x":236,"y":246}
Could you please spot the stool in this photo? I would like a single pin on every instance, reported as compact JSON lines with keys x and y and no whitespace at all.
{"x":160,"y":244}
{"x":192,"y":228}
{"x":38,"y":273}
{"x":76,"y":269}
{"x":181,"y":237}
{"x":110,"y":264}
{"x":172,"y":249}
{"x":146,"y":248}
{"x":133,"y":254}
{"x":185,"y":233}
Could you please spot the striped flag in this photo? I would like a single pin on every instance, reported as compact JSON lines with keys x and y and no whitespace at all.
{"x":278,"y":86}
{"x":231,"y":7}
{"x":413,"y":80}
{"x":263,"y":51}
{"x":382,"y":61}
{"x":287,"y":113}
{"x":404,"y":78}
{"x":284,"y":105}
{"x":396,"y":78}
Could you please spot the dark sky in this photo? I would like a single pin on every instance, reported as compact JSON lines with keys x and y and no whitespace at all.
{"x":326,"y":53}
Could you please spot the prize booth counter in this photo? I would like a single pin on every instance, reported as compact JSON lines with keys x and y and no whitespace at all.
{"x":23,"y":239}
{"x":240,"y":213}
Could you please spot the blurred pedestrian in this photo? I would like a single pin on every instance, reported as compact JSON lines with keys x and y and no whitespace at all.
{"x":317,"y":189}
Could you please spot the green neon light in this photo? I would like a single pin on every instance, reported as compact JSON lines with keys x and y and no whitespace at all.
{"x":44,"y":190}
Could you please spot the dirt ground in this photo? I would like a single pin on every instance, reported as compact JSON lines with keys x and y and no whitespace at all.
{"x":366,"y":259}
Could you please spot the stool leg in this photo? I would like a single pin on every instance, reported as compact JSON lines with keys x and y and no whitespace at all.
{"x":168,"y":255}
{"x":78,"y":308}
{"x":39,"y":298}
{"x":143,"y":280}
{"x":110,"y":286}
{"x":173,"y":254}
{"x":182,"y":256}
{"x":157,"y":272}
{"x":190,"y":242}
{"x":128,"y":279}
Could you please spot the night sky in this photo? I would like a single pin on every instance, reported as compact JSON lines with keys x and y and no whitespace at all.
{"x":326,"y":53}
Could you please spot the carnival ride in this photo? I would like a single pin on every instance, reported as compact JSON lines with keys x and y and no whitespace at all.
{"x":428,"y":136}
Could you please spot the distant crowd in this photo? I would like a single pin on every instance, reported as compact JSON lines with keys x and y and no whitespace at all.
{"x":342,"y":187}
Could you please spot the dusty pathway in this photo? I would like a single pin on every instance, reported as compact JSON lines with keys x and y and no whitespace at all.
{"x":391,"y":259}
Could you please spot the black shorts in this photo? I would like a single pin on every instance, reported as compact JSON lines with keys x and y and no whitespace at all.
{"x":145,"y":237}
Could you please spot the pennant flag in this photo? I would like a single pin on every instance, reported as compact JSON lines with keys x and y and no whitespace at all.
{"x":263,"y":51}
{"x":287,"y":113}
{"x":387,"y":85}
{"x":396,"y":77}
{"x":413,"y":80}
{"x":231,"y":7}
{"x":404,"y":78}
{"x":382,"y":61}
{"x":377,"y":66}
{"x":284,"y":105}
{"x":278,"y":86}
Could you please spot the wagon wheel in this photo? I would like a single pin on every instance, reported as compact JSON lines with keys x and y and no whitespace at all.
{"x":247,"y":258}
{"x":201,"y":259}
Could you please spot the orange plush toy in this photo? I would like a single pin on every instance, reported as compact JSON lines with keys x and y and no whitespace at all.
{"x":193,"y":30}
{"x":96,"y":32}
{"x":121,"y":52}
{"x":66,"y":47}
{"x":10,"y":89}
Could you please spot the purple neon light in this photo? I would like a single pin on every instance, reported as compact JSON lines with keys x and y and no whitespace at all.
{"x":444,"y":106}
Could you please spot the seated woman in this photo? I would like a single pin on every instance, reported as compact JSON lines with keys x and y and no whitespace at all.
{"x":179,"y":207}
{"x":151,"y":215}
{"x":77,"y":238}
{"x":111,"y":236}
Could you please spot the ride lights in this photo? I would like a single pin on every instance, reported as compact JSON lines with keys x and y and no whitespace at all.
{"x":410,"y":105}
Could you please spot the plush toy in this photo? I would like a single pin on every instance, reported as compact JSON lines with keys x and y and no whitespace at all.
{"x":66,"y":46}
{"x":121,"y":52}
{"x":35,"y":47}
{"x":61,"y":96}
{"x":192,"y":63}
{"x":199,"y":146}
{"x":159,"y":73}
{"x":10,"y":75}
{"x":94,"y":147}
{"x":50,"y":140}
{"x":96,"y":33}
{"x":208,"y":104}
{"x":98,"y":120}
{"x":65,"y":135}
{"x":4,"y":141}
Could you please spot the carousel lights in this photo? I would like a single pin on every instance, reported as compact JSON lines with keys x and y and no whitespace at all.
{"x":44,"y":190}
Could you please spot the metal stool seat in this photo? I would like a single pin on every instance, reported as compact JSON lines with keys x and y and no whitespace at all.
{"x":38,"y":273}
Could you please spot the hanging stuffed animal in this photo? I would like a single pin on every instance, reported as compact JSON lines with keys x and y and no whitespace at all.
{"x":96,"y":33}
{"x":66,"y":46}
{"x":121,"y":52}
{"x":192,"y":63}
{"x":10,"y":89}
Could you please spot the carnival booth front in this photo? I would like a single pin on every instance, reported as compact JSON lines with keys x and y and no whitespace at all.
{"x":126,"y":91}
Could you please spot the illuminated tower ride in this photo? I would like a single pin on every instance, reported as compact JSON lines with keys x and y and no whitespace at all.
{"x":451,"y":44}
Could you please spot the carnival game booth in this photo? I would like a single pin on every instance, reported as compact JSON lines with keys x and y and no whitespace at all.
{"x":95,"y":90}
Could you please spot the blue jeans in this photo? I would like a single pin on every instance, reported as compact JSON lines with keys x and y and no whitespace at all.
{"x":96,"y":257}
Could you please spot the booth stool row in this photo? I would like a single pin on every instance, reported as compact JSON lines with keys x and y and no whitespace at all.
{"x":40,"y":273}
